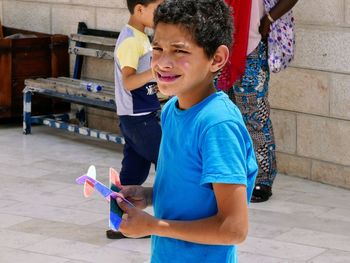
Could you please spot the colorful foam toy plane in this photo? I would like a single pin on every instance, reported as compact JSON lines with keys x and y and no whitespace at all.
{"x":90,"y":183}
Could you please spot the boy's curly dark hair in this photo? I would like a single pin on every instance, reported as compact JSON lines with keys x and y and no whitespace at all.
{"x":132,"y":3}
{"x":209,"y":21}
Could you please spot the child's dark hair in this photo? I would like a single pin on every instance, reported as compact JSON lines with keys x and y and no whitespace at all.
{"x":132,"y":3}
{"x":209,"y":21}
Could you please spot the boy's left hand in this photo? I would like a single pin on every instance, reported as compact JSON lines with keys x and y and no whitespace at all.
{"x":135,"y":223}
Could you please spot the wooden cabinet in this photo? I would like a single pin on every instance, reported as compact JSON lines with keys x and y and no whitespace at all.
{"x":43,"y":56}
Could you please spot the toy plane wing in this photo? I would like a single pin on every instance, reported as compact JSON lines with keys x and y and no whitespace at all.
{"x":90,"y":183}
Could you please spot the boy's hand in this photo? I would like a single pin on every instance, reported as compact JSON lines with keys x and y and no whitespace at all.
{"x":155,"y":88}
{"x":137,"y":195}
{"x":135,"y":223}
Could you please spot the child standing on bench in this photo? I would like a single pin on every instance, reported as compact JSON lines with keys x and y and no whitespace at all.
{"x":135,"y":96}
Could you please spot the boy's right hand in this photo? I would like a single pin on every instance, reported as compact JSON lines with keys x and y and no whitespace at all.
{"x":137,"y":195}
{"x":135,"y":222}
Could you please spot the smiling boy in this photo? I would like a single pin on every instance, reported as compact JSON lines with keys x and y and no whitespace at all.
{"x":206,"y":166}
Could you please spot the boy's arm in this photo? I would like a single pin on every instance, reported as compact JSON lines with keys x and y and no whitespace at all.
{"x":228,"y":226}
{"x":132,"y":80}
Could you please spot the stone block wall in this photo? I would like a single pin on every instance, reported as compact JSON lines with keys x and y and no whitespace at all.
{"x":62,"y":16}
{"x":310,"y":100}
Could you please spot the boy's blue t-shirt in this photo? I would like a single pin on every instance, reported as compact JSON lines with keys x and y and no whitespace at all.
{"x":205,"y":144}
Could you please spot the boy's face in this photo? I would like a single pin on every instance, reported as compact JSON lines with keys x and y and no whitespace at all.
{"x":179,"y":65}
{"x":148,"y":12}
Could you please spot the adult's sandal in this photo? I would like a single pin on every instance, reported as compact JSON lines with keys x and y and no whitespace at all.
{"x":261,"y":193}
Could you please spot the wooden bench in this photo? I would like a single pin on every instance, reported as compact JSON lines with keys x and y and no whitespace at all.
{"x":89,"y":43}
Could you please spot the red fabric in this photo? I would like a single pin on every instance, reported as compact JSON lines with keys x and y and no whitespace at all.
{"x":234,"y":68}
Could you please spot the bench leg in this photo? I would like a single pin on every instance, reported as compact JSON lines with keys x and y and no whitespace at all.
{"x":27,"y":112}
{"x":81,"y":116}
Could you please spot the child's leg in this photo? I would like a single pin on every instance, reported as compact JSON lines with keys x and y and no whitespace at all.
{"x":135,"y":168}
{"x":142,"y":135}
{"x":150,"y":133}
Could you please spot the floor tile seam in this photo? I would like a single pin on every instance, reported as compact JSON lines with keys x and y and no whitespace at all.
{"x":22,"y":248}
{"x":314,"y":214}
{"x":312,"y":245}
{"x":284,"y":223}
{"x":257,"y":254}
{"x":295,"y":243}
{"x":287,"y":258}
{"x":43,"y":254}
{"x":327,"y":251}
{"x":321,"y":232}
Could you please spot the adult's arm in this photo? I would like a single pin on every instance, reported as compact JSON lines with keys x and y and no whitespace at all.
{"x":282,"y":7}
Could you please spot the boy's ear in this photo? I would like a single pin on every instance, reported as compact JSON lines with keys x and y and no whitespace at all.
{"x":220,"y":58}
{"x":138,"y":8}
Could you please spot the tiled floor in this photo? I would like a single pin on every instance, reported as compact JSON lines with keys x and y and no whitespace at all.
{"x":45,"y":219}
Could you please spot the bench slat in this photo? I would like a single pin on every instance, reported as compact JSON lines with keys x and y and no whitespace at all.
{"x":72,"y":87}
{"x":74,"y":84}
{"x":107,"y":87}
{"x":105,"y":41}
{"x":106,"y":84}
{"x":90,"y":52}
{"x":69,"y":88}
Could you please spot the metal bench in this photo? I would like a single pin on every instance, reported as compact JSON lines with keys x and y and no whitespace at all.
{"x":69,"y":90}
{"x":89,"y":43}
